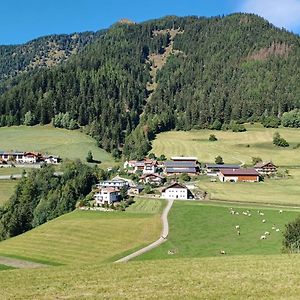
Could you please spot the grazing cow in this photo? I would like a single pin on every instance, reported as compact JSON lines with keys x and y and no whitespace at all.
{"x":222,"y":252}
{"x":263,"y":237}
{"x":264,"y":221}
{"x":277,"y":229}
{"x":274,"y":227}
{"x":280,"y":211}
{"x":262,"y":214}
{"x":249,"y":215}
{"x":267,"y":233}
{"x":238,"y":232}
{"x":237,"y":227}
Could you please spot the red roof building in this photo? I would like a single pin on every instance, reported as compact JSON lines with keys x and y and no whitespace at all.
{"x":235,"y":175}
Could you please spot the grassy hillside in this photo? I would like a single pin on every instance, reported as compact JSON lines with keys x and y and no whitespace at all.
{"x":65,"y":143}
{"x":233,"y":147}
{"x":6,"y":189}
{"x":283,"y":191}
{"x":198,"y":230}
{"x":239,"y":277}
{"x":83,"y":237}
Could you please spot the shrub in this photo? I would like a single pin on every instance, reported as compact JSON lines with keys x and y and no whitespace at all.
{"x":291,"y":236}
{"x":256,"y":160}
{"x":217,"y":125}
{"x":219,"y":160}
{"x":271,"y":122}
{"x":89,"y":157}
{"x":185,"y":177}
{"x":279,"y":141}
{"x":212,"y":138}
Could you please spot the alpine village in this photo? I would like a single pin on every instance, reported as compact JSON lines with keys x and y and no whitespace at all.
{"x":152,"y":160}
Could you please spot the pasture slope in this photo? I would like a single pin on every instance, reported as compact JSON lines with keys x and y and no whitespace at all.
{"x":202,"y":230}
{"x":71,"y":144}
{"x":235,"y":277}
{"x":84,"y":237}
{"x":234,"y":147}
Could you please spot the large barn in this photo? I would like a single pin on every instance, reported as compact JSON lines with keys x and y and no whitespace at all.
{"x":235,"y":175}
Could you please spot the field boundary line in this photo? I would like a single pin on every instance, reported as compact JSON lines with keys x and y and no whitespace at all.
{"x":162,"y":239}
{"x":20,"y":264}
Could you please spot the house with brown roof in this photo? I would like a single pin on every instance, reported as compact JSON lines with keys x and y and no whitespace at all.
{"x":154,"y":179}
{"x":235,"y":175}
{"x":177,"y":191}
{"x":265,"y":168}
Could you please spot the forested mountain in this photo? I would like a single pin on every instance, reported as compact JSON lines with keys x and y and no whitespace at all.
{"x":46,"y":51}
{"x":237,"y":67}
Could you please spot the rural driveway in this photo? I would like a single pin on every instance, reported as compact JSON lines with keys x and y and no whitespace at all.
{"x":162,"y":239}
{"x":20,"y":264}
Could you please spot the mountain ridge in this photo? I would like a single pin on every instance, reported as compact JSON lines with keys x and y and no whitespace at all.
{"x":215,"y":72}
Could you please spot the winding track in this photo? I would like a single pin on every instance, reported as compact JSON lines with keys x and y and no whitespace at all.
{"x":162,"y":239}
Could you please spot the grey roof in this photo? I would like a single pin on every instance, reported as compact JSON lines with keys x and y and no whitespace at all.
{"x":223,"y":166}
{"x":181,"y":170}
{"x":180,"y":164}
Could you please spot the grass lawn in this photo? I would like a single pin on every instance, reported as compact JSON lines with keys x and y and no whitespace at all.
{"x":198,"y":230}
{"x":233,"y":147}
{"x":283,"y":191}
{"x":47,"y":139}
{"x":235,"y":277}
{"x":7,"y":188}
{"x":83,"y":237}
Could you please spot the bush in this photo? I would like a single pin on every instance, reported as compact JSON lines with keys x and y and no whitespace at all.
{"x":185,"y":177}
{"x":89,"y":157}
{"x":212,"y":138}
{"x":217,"y":125}
{"x":256,"y":160}
{"x":279,"y":141}
{"x":291,"y":119}
{"x":291,"y":236}
{"x":235,"y":127}
{"x":271,"y":122}
{"x":219,"y":160}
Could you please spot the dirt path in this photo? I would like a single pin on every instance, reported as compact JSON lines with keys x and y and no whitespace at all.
{"x":20,"y":264}
{"x":162,"y":239}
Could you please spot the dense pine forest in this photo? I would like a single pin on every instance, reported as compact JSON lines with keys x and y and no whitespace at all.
{"x":237,"y":67}
{"x":46,"y":51}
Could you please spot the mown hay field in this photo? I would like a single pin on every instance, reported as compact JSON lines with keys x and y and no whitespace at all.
{"x":71,"y":144}
{"x":233,"y":277}
{"x":283,"y":191}
{"x":233,"y":147}
{"x":83,"y":237}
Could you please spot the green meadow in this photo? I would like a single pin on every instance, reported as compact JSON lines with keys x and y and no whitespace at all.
{"x":71,"y":144}
{"x":199,"y":230}
{"x":7,"y":188}
{"x":234,"y":147}
{"x":232,"y":277}
{"x":84,"y":237}
{"x":284,"y":191}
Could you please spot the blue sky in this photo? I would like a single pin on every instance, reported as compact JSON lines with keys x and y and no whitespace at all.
{"x":23,"y":20}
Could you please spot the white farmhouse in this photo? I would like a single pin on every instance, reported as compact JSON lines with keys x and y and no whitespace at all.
{"x":176,"y":191}
{"x":107,"y":196}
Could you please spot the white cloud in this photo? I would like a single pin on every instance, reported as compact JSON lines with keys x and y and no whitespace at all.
{"x":281,"y":13}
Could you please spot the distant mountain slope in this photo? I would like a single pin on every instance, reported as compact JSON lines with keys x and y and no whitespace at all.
{"x":237,"y":67}
{"x":46,"y":51}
